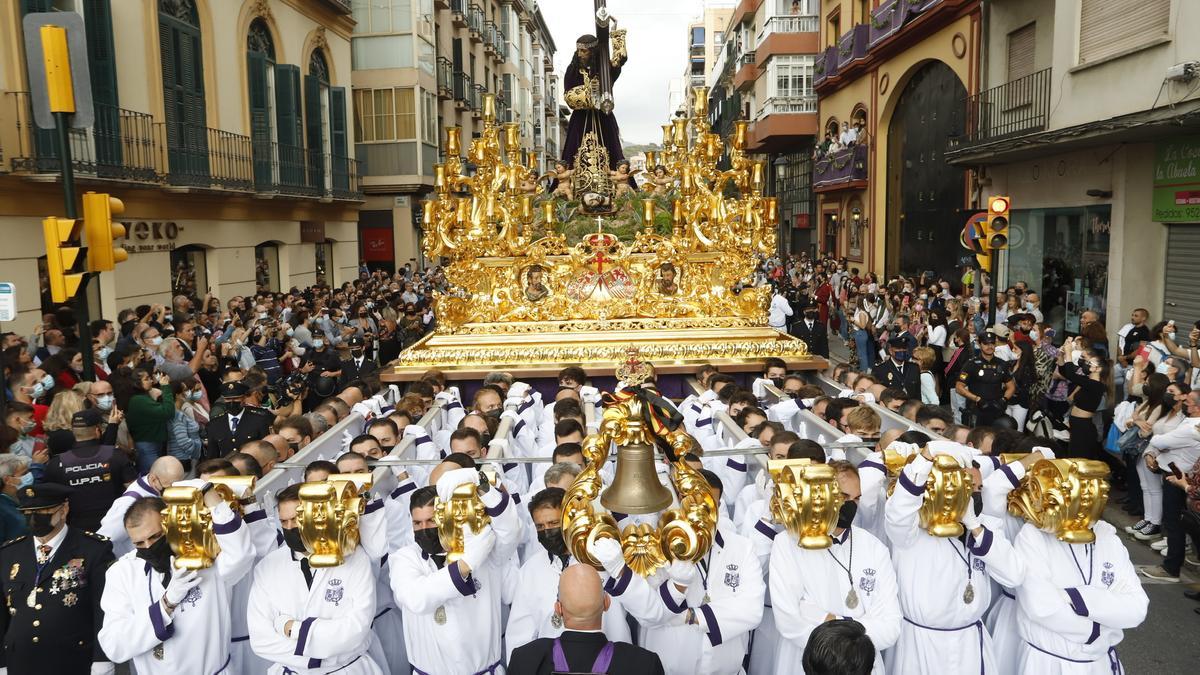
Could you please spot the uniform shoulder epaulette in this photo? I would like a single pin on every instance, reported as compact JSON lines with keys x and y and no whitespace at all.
{"x":93,"y":535}
{"x":255,"y":410}
{"x":10,"y":542}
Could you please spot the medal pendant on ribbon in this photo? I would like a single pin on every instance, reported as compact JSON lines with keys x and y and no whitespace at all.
{"x":31,"y":601}
{"x":556,"y":620}
{"x":707,"y":599}
{"x":852,"y":599}
{"x":158,"y":652}
{"x":439,"y":616}
{"x":969,"y":594}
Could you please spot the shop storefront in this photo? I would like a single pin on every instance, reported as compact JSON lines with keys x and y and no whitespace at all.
{"x":1063,"y":254}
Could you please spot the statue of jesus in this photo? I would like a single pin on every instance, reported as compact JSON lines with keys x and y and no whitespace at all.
{"x":588,"y":85}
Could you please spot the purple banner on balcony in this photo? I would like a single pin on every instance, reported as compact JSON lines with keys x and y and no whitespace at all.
{"x":852,"y":46}
{"x":844,"y":166}
{"x":887,"y":19}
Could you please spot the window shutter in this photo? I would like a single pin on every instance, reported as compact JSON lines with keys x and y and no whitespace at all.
{"x":102,"y":68}
{"x":316,"y":139}
{"x":31,"y":6}
{"x":337,"y":138}
{"x":1021,"y":52}
{"x":1108,"y":27}
{"x":260,"y":125}
{"x":288,"y":124}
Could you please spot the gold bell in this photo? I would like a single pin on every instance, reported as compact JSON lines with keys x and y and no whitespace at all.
{"x":635,"y":488}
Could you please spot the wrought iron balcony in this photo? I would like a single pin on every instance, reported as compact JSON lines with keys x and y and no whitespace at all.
{"x":463,"y":90}
{"x":282,"y":169}
{"x":475,"y":22}
{"x":459,"y":13}
{"x":204,"y":157}
{"x":1012,"y":109}
{"x":844,"y":168}
{"x":342,"y":6}
{"x":445,"y":77}
{"x":121,"y":145}
{"x":489,"y":36}
{"x":501,"y":45}
{"x":746,"y":59}
{"x":477,"y":99}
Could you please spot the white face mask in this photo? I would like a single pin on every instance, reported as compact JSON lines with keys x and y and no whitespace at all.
{"x":104,"y":402}
{"x":156,"y":340}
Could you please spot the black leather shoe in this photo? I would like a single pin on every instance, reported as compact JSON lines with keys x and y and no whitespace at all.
{"x":1192,"y":595}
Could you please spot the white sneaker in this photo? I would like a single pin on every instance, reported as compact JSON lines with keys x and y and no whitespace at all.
{"x":1157,"y":573}
{"x":1159,"y":545}
{"x":1163,"y":552}
{"x":1192,"y":560}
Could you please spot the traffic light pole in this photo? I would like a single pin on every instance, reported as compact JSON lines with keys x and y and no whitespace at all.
{"x":82,"y":319}
{"x":992,"y":256}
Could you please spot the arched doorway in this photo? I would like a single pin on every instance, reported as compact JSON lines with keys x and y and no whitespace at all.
{"x":925,"y":194}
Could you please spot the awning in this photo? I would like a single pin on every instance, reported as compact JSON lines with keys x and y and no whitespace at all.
{"x":1140,"y":127}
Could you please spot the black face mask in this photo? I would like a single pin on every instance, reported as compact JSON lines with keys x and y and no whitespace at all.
{"x":494,"y":413}
{"x":292,"y":539}
{"x":778,"y":382}
{"x":846,"y":514}
{"x":552,"y":540}
{"x":157,"y":554}
{"x":811,"y":316}
{"x":429,"y":541}
{"x":1169,"y":400}
{"x":977,"y":502}
{"x":40,"y":524}
{"x":356,"y":353}
{"x":234,"y":409}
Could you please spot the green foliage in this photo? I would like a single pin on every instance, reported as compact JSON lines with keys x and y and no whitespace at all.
{"x":625,"y":223}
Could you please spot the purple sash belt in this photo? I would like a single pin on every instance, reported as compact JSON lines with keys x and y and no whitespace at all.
{"x":1114,"y":661}
{"x":977,"y":625}
{"x":603,"y":659}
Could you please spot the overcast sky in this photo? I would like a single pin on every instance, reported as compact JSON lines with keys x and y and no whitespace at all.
{"x":657,"y":54}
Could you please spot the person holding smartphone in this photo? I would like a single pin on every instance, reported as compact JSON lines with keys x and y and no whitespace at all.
{"x":150,"y":410}
{"x":1171,"y":453}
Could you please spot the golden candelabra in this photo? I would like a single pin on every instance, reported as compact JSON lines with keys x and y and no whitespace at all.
{"x":1064,"y":497}
{"x":806,"y":500}
{"x":187,"y":520}
{"x":328,"y":517}
{"x":511,"y":270}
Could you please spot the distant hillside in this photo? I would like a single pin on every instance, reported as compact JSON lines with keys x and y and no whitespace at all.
{"x":631,"y":150}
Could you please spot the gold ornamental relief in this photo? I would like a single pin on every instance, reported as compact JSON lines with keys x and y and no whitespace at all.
{"x":677,"y":255}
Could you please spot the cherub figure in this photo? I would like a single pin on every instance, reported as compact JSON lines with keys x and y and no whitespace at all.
{"x":661,"y":182}
{"x":622,"y":178}
{"x":563,"y":175}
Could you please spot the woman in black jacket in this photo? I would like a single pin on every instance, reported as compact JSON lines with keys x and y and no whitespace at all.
{"x":1090,"y":376}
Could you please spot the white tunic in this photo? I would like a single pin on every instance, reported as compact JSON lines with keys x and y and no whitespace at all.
{"x":113,"y":523}
{"x":534,"y":591}
{"x":1001,"y":619}
{"x":1076,"y":602}
{"x":941,"y":630}
{"x":807,"y":585}
{"x":194,"y":638}
{"x":332,"y":628}
{"x":467,"y":638}
{"x":264,"y":537}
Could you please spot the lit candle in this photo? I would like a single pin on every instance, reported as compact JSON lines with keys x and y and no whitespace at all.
{"x":756,"y":176}
{"x":647,"y":212}
{"x":677,"y":212}
{"x":548,"y":213}
{"x":700,"y":107}
{"x":512,"y":137}
{"x":685,"y":183}
{"x":772,"y":210}
{"x":514,"y":177}
{"x":439,"y":178}
{"x":739,"y":134}
{"x":527,"y":208}
{"x":681,"y":139}
{"x":428,"y":213}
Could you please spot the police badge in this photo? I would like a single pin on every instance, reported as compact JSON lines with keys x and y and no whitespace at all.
{"x":334,"y":592}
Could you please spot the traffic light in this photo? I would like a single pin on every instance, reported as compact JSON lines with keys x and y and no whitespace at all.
{"x":997,"y":223}
{"x":62,"y":252}
{"x":98,"y":212}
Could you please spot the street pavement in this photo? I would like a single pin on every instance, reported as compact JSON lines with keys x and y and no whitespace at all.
{"x":1168,"y":641}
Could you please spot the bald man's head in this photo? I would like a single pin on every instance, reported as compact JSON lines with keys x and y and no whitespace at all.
{"x":282,"y":449}
{"x":886,"y":438}
{"x":165,"y":471}
{"x":263,"y":452}
{"x":581,"y":600}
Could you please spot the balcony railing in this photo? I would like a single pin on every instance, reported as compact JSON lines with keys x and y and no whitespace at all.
{"x":843,"y":167}
{"x":445,"y":77}
{"x":852,"y":46}
{"x":121,"y":145}
{"x":503,"y":112}
{"x":825,"y":65}
{"x":1012,"y":109}
{"x":458,"y":13}
{"x":342,"y":6}
{"x":697,"y":80}
{"x":477,"y":98}
{"x":199,"y":156}
{"x":463,"y":88}
{"x":788,"y":24}
{"x":475,"y":21}
{"x":746,"y":59}
{"x":489,"y":36}
{"x":501,"y":41}
{"x":128,"y":146}
{"x":787,"y":105}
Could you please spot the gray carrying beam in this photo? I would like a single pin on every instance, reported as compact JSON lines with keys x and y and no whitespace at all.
{"x":732,"y":432}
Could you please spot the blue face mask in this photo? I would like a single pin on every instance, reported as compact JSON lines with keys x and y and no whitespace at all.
{"x":26,"y":481}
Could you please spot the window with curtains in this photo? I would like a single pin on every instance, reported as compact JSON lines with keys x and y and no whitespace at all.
{"x":384,"y":115}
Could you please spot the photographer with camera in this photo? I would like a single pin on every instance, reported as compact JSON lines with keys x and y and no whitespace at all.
{"x":986,"y":383}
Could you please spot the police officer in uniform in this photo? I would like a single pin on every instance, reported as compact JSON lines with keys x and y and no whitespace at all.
{"x":52,"y":580}
{"x":986,"y":382}
{"x":358,"y":366}
{"x":238,"y":424}
{"x":898,"y":370}
{"x":95,"y":470}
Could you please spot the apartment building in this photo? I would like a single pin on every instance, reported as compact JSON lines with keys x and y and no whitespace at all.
{"x":1088,"y":119}
{"x":764,"y":74}
{"x":423,"y":65}
{"x":705,"y":40}
{"x":900,"y":71}
{"x":223,"y":126}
